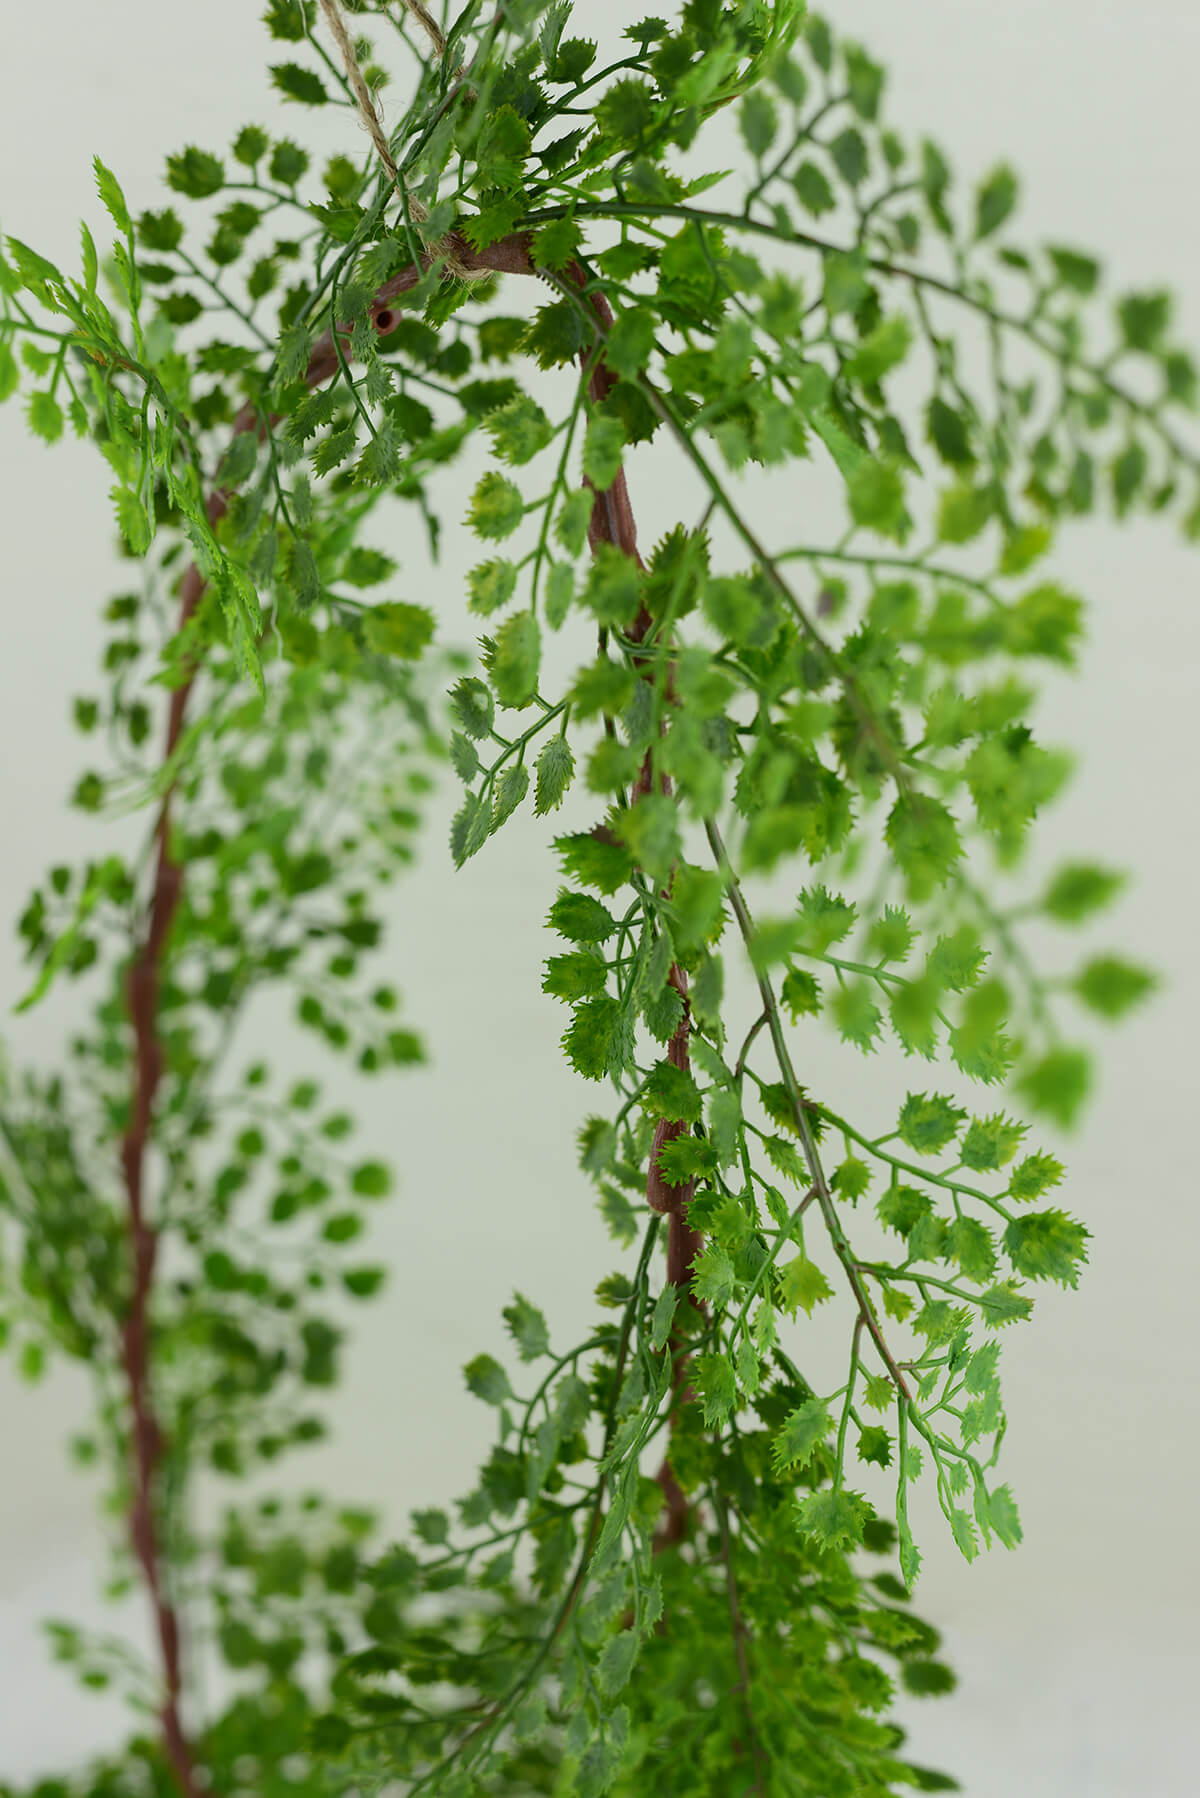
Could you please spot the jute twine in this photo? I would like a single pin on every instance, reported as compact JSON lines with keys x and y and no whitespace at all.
{"x":446,"y":247}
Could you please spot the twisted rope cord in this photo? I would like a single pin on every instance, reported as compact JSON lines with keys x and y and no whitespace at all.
{"x":430,"y":27}
{"x":369,"y":111}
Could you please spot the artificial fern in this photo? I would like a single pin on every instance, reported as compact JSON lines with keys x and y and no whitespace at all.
{"x":687,"y":1560}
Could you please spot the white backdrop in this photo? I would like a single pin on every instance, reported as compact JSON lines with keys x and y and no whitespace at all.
{"x":1077,"y":1655}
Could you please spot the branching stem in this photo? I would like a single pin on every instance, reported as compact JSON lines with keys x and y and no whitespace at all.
{"x":808,"y":1145}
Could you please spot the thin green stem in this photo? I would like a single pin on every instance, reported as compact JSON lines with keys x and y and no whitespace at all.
{"x":803,"y":1129}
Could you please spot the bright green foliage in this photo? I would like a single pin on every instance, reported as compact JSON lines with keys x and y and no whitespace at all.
{"x":849,"y":714}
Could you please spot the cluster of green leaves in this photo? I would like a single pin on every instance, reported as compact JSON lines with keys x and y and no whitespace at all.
{"x":857,"y":714}
{"x":287,"y":833}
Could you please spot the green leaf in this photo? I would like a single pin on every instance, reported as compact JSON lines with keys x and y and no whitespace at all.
{"x":1111,"y":987}
{"x":364,"y":1282}
{"x":555,"y":767}
{"x":912,"y":1009}
{"x":716,"y":1387}
{"x":949,"y":433}
{"x":579,"y":975}
{"x":109,"y":189}
{"x":927,"y":1679}
{"x":835,"y":1519}
{"x":290,"y":20}
{"x":518,"y":430}
{"x":571,"y":525}
{"x":1023,"y":547}
{"x":195,"y":173}
{"x":603,"y":446}
{"x":288,"y":163}
{"x":858,"y":1018}
{"x":615,"y":1666}
{"x":670,"y":1092}
{"x":298,"y":83}
{"x":160,"y":230}
{"x":812,"y":189}
{"x":45,"y":416}
{"x":902,"y":1207}
{"x":508,"y":793}
{"x":560,"y":591}
{"x":371,"y":1180}
{"x":875,"y":493}
{"x":875,"y":1445}
{"x":496,"y":508}
{"x":851,"y":1179}
{"x":9,"y":372}
{"x":928,"y":1122}
{"x":970,"y":1244}
{"x":1004,"y":1303}
{"x":803,"y":1285}
{"x":849,"y":152}
{"x":684,"y":1158}
{"x":697,"y":906}
{"x":741,"y":609}
{"x":924,"y":840}
{"x":514,"y":669}
{"x":595,"y":858}
{"x":103,"y":879}
{"x":1058,"y":1084}
{"x":802,"y":1431}
{"x":825,"y":918}
{"x":556,"y":243}
{"x":1034,"y":1176}
{"x":581,"y":919}
{"x":613,"y":593}
{"x":491,"y":585}
{"x":1002,"y":1516}
{"x":1143,"y":318}
{"x":963,"y":1530}
{"x":759,"y":122}
{"x":625,"y":111}
{"x":132,"y":520}
{"x":630,"y":342}
{"x":995,"y":199}
{"x":527,"y":1327}
{"x":964,"y":511}
{"x":651,"y":829}
{"x":886,"y":346}
{"x":1078,"y":890}
{"x":991,"y":1142}
{"x":1047,"y":1245}
{"x":473,"y":706}
{"x":956,"y":961}
{"x":713,"y":1278}
{"x":399,"y":629}
{"x":845,"y":276}
{"x":597,"y":1040}
{"x":1078,"y":272}
{"x":663,"y":1317}
{"x":251,"y":145}
{"x":892,"y":936}
{"x":864,"y":80}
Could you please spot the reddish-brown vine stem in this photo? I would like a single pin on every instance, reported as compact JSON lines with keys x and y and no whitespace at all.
{"x":142,"y":989}
{"x":612,"y":521}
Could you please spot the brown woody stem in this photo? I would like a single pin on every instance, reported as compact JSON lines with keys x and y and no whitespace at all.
{"x":612,"y":521}
{"x":142,"y":989}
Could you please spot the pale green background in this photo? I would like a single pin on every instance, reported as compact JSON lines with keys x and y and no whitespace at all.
{"x":1077,"y":1655}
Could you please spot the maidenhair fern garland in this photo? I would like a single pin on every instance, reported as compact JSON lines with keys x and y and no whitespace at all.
{"x":687,"y":1562}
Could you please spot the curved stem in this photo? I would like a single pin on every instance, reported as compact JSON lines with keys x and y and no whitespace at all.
{"x":803,"y":1128}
